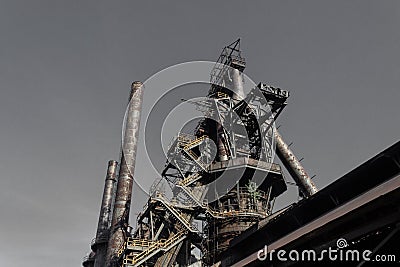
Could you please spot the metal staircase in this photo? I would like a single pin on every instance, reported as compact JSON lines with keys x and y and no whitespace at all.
{"x":152,"y":248}
{"x":177,"y":214}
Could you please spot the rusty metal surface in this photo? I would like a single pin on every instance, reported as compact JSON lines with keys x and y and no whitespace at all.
{"x":103,"y":227}
{"x":125,"y":179}
{"x":294,"y":167}
{"x":222,"y":145}
{"x":106,"y":208}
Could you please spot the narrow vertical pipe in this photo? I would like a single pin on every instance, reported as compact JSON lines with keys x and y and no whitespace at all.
{"x":103,"y":226}
{"x":294,"y":167}
{"x":237,"y":84}
{"x":123,"y":195}
{"x":152,"y":226}
{"x":222,"y":144}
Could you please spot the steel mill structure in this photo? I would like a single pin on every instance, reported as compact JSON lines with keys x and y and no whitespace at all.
{"x":222,"y":176}
{"x":217,"y":191}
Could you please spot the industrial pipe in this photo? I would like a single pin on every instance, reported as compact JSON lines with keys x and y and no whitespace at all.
{"x":103,"y":226}
{"x":294,"y":167}
{"x":237,"y":84}
{"x":123,"y":195}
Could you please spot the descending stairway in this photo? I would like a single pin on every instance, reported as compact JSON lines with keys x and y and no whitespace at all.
{"x":152,"y":248}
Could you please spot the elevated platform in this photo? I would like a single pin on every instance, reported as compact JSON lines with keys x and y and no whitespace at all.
{"x":243,"y":170}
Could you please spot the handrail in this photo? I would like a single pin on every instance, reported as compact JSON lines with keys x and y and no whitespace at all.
{"x":195,"y":142}
{"x":176,"y":213}
{"x":189,"y":193}
{"x":162,"y":244}
{"x":222,"y":214}
{"x":222,"y":95}
{"x":195,"y":158}
{"x":189,"y":179}
{"x":185,"y":137}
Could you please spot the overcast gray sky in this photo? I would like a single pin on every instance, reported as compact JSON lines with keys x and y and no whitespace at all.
{"x":66,"y":69}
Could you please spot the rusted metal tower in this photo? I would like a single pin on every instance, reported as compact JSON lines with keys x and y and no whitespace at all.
{"x":222,"y":175}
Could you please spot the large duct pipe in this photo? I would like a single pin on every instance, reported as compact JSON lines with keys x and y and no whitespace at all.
{"x":103,"y":226}
{"x":235,"y":84}
{"x":294,"y":167}
{"x":123,"y":195}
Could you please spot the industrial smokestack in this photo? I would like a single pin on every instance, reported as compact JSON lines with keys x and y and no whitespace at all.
{"x":123,"y":195}
{"x":294,"y":167}
{"x":103,"y":226}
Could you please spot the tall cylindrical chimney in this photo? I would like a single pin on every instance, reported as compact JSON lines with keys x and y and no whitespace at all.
{"x":123,"y":195}
{"x":103,"y":227}
{"x":294,"y":167}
